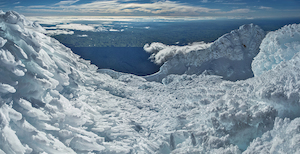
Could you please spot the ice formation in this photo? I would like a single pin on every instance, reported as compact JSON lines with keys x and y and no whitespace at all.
{"x":277,"y":47}
{"x":52,"y":101}
{"x":229,"y":56}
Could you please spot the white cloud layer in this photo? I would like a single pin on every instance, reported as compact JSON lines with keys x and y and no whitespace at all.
{"x":80,"y":27}
{"x":67,"y":25}
{"x":200,"y":8}
{"x":162,"y":53}
{"x":131,"y":8}
{"x":55,"y":20}
{"x":238,"y":11}
{"x":66,"y":29}
{"x":59,"y":32}
{"x":84,"y":35}
{"x":265,"y":7}
{"x":69,"y":2}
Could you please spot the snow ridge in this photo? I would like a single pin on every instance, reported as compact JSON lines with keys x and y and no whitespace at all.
{"x":52,"y":101}
{"x":230,"y":56}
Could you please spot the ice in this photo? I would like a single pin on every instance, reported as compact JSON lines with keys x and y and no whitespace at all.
{"x":230,"y":56}
{"x":278,"y":46}
{"x":5,"y":88}
{"x":2,"y":42}
{"x":284,"y":138}
{"x":63,"y":104}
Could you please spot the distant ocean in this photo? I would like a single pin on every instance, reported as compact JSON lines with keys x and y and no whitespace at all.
{"x":123,"y":59}
{"x":118,"y":44}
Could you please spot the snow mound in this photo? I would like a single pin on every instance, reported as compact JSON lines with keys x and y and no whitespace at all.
{"x":230,"y":56}
{"x":278,"y":46}
{"x":52,"y":101}
{"x":284,"y":138}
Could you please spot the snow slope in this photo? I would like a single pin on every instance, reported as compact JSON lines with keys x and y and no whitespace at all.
{"x":54,"y":102}
{"x":277,"y":47}
{"x":229,"y":56}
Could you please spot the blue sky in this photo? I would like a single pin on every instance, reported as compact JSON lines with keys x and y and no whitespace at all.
{"x":198,"y":8}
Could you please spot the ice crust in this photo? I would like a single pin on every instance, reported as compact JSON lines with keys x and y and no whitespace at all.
{"x":52,"y":101}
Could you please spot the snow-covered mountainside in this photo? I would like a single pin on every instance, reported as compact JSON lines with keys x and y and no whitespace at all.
{"x":229,"y":56}
{"x":54,"y":102}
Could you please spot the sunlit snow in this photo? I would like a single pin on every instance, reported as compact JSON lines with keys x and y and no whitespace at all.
{"x":52,"y":101}
{"x":229,"y":56}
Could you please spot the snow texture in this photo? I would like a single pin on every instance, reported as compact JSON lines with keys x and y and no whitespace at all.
{"x":52,"y":101}
{"x":284,"y":138}
{"x":230,"y":56}
{"x":278,"y":46}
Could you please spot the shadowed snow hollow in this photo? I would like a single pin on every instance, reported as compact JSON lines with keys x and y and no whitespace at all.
{"x":230,"y":56}
{"x":51,"y":101}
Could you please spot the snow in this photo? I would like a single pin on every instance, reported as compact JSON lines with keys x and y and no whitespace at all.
{"x":52,"y":101}
{"x":229,"y":56}
{"x":284,"y":138}
{"x":278,"y":46}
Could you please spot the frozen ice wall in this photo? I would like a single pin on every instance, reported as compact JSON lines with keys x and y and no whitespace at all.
{"x":51,"y":101}
{"x":230,"y":56}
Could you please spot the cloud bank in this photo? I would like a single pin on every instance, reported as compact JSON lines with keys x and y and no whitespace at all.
{"x":201,"y":8}
{"x":136,"y":8}
{"x":162,"y":53}
{"x":69,"y":28}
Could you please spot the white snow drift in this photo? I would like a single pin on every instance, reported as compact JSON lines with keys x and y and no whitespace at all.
{"x":51,"y":101}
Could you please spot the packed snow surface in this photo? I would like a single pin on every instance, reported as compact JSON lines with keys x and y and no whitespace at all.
{"x":52,"y":101}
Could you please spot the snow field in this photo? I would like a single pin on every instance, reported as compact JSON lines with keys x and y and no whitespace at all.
{"x":52,"y":101}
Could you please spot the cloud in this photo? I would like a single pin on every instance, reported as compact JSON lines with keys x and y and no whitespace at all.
{"x":69,"y":2}
{"x":160,"y":7}
{"x":104,"y":23}
{"x":237,"y":11}
{"x":114,"y":7}
{"x":67,"y":28}
{"x":80,"y":27}
{"x":84,"y":35}
{"x":162,"y":53}
{"x":235,"y":3}
{"x":55,"y":20}
{"x":152,"y":8}
{"x":116,"y":30}
{"x":204,"y":1}
{"x":265,"y":8}
{"x":59,"y":32}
